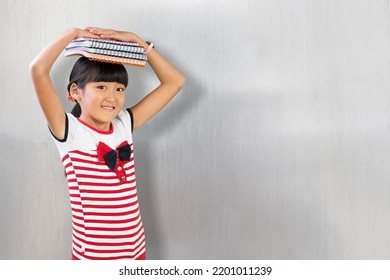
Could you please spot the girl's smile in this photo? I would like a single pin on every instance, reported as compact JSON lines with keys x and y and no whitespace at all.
{"x":108,"y":108}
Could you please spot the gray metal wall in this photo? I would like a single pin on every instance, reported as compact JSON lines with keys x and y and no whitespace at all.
{"x":277,"y":148}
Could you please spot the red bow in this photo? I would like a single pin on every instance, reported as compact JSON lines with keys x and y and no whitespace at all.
{"x":110,"y":156}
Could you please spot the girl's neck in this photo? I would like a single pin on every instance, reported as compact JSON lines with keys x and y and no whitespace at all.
{"x":105,"y":128}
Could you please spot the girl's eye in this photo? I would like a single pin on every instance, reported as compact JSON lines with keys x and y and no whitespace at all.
{"x":101,"y":87}
{"x":120,"y":89}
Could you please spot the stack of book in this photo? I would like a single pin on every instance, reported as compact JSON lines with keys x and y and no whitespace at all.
{"x":111,"y":51}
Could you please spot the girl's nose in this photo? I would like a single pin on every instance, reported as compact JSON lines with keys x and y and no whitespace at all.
{"x":110,"y":95}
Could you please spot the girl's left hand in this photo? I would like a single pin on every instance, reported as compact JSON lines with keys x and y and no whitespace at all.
{"x":113,"y":34}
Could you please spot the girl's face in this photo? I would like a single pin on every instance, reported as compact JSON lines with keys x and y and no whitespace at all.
{"x":101,"y":102}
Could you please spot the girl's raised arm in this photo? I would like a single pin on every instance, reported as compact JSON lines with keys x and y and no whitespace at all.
{"x":171,"y":80}
{"x":40,"y":72}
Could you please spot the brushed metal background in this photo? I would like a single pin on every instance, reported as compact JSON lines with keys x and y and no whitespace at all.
{"x":277,"y":148}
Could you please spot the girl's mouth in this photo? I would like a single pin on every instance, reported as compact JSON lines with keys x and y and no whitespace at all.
{"x":108,"y":108}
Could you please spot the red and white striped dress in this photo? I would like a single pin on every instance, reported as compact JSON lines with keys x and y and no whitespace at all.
{"x":106,"y":218}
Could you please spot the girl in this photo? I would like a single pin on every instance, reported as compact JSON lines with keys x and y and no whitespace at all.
{"x":96,"y":145}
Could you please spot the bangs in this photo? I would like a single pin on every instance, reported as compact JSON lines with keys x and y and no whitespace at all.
{"x":107,"y":72}
{"x":85,"y":71}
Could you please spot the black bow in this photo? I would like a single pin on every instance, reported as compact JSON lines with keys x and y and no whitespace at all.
{"x":110,"y":156}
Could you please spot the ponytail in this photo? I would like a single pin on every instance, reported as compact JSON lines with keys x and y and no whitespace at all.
{"x":76,"y":111}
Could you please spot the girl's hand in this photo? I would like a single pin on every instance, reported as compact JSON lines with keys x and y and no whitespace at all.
{"x":80,"y":33}
{"x":113,"y":34}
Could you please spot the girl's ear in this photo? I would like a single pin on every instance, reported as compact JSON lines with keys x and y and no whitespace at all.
{"x":74,"y":92}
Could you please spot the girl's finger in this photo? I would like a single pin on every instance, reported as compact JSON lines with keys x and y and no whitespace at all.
{"x":98,"y":30}
{"x":95,"y":30}
{"x":104,"y":33}
{"x":89,"y":28}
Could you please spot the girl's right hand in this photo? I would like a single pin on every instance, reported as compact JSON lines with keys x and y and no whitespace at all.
{"x":80,"y":33}
{"x":105,"y":33}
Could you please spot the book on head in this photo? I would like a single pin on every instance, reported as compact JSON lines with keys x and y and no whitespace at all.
{"x":109,"y":51}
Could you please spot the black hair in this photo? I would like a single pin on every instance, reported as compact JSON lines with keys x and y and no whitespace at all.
{"x":85,"y":71}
